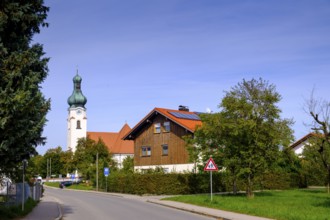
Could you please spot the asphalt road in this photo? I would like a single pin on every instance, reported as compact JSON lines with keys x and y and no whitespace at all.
{"x":94,"y":206}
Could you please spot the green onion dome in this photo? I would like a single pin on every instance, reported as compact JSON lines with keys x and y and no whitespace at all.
{"x":77,"y":99}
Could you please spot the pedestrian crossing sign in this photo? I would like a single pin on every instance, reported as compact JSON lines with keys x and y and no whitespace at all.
{"x":210,"y":165}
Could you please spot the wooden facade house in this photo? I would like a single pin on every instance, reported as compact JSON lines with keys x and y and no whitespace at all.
{"x":158,"y":139}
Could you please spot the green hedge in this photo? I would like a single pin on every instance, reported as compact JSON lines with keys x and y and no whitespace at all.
{"x":159,"y":183}
{"x":189,"y":183}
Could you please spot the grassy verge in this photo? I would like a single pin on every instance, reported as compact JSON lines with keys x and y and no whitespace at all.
{"x":282,"y":205}
{"x":80,"y":186}
{"x":52,"y":184}
{"x":13,"y":212}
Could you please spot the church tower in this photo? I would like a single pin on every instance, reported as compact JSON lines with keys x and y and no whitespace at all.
{"x":77,"y":120}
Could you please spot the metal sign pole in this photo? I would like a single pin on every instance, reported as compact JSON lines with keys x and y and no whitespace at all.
{"x":106,"y":184}
{"x":211,"y":184}
{"x":211,"y":166}
{"x":97,"y":171}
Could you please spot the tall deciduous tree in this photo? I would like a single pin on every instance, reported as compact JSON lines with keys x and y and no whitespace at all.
{"x":23,"y":68}
{"x":248,"y":131}
{"x":52,"y":159}
{"x":87,"y":152}
{"x":254,"y":127}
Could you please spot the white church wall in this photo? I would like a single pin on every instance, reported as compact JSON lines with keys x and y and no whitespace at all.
{"x":76,"y":130}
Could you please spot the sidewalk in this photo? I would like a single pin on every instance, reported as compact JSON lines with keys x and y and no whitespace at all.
{"x":50,"y":209}
{"x":215,"y":213}
{"x":47,"y":209}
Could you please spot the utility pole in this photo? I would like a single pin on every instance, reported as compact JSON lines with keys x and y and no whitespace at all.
{"x":97,"y":171}
{"x":50,"y":168}
{"x":47,"y":169}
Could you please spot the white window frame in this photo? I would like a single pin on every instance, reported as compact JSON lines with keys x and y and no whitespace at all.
{"x":145,"y":151}
{"x":167,"y":126}
{"x":157,"y":128}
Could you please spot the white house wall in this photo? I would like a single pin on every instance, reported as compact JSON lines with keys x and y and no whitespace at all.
{"x":119,"y":158}
{"x":170,"y":168}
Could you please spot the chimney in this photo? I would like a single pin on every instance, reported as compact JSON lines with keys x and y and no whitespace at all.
{"x":183,"y":108}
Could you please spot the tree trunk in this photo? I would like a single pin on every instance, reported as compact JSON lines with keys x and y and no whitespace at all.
{"x":235,"y":186}
{"x":249,"y":190}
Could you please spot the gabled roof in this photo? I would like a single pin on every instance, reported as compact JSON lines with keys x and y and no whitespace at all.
{"x":189,"y":121}
{"x":114,"y":141}
{"x":303,"y":139}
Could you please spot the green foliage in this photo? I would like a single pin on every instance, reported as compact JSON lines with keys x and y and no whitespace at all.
{"x":23,"y":107}
{"x":59,"y":162}
{"x":128,"y":165}
{"x":315,"y":162}
{"x":66,"y":159}
{"x":318,"y":151}
{"x":52,"y":184}
{"x":290,"y":164}
{"x":246,"y":135}
{"x":54,"y":161}
{"x":85,"y":157}
{"x":34,"y":166}
{"x":188,"y":183}
{"x":155,"y":183}
{"x":13,"y":212}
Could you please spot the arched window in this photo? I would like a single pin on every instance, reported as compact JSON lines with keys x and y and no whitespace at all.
{"x":78,"y":125}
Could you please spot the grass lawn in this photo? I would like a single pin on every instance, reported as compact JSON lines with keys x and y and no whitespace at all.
{"x":80,"y":186}
{"x":282,"y":205}
{"x":53,"y":184}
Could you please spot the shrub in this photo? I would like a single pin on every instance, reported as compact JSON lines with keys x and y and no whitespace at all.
{"x":191,"y":183}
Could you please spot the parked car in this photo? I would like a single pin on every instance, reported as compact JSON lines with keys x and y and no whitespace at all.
{"x":64,"y":184}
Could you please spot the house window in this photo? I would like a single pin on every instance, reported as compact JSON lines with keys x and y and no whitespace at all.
{"x":157,"y":128}
{"x":167,"y":126}
{"x":145,"y":151}
{"x":164,"y":149}
{"x":78,"y":125}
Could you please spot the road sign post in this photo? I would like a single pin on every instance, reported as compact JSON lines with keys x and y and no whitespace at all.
{"x":210,"y":166}
{"x":106,"y":174}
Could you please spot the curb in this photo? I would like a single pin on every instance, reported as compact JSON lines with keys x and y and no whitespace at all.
{"x":59,"y":207}
{"x":188,"y":210}
{"x":60,"y":216}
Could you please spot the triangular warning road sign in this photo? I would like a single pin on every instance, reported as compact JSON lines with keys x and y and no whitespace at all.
{"x":210,"y":165}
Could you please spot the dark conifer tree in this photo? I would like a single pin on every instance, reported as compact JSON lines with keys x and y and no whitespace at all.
{"x":23,"y":68}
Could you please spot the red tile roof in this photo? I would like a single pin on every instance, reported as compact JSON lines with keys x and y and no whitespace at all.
{"x":114,"y":141}
{"x":189,"y":124}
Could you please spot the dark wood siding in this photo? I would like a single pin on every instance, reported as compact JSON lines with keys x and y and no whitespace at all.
{"x":177,"y":152}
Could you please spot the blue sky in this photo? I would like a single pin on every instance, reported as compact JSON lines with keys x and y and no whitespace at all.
{"x":134,"y":55}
